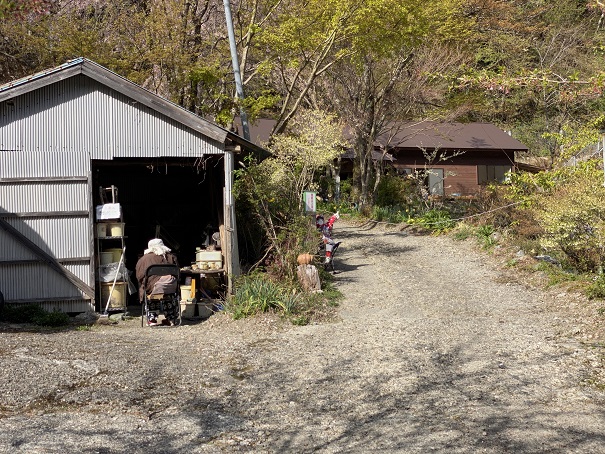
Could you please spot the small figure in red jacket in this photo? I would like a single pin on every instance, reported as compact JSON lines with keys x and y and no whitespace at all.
{"x":326,"y":233}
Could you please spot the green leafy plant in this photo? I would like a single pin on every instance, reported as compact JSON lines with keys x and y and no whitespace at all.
{"x":392,"y":214}
{"x":54,"y":319}
{"x":462,"y":232}
{"x":596,"y":290}
{"x":84,"y":328}
{"x":32,"y":313}
{"x":436,"y":220}
{"x":485,"y":233}
{"x":256,"y":293}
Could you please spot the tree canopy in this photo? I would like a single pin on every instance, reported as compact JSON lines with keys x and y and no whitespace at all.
{"x":533,"y":67}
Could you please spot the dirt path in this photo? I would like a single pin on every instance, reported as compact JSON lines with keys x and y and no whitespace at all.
{"x":433,"y":352}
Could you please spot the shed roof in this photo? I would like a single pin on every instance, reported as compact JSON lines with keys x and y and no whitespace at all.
{"x":122,"y":85}
{"x":446,"y":135}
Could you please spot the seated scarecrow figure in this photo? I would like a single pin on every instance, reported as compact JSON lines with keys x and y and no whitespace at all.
{"x":157,"y":254}
{"x":326,"y":233}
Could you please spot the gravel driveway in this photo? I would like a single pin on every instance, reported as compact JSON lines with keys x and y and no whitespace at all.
{"x":436,"y":349}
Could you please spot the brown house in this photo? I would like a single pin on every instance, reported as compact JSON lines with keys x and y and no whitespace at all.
{"x":456,"y":158}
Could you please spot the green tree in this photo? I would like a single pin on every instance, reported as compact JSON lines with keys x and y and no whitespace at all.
{"x":272,"y":190}
{"x":391,"y":78}
{"x":537,"y":67}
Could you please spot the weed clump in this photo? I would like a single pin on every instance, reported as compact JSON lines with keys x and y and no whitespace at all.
{"x":257,"y":293}
{"x":34,"y":314}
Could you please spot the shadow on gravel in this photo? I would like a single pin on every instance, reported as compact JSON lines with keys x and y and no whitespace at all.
{"x":429,"y":405}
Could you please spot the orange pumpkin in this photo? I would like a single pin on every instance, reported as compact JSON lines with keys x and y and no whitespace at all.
{"x":304,"y":259}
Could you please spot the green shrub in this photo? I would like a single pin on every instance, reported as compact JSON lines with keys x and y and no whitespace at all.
{"x":257,"y":293}
{"x":573,"y":219}
{"x":22,"y":313}
{"x":32,"y":313}
{"x":596,"y":290}
{"x":54,"y":318}
{"x":392,"y":214}
{"x":394,"y":190}
{"x":437,"y":221}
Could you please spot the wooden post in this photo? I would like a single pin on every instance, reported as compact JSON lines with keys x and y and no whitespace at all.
{"x":309,"y":278}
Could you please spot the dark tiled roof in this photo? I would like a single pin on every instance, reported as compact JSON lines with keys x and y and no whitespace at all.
{"x":459,"y":136}
{"x":414,"y":135}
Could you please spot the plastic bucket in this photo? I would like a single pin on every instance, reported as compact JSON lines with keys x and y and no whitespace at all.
{"x":185,"y":292}
{"x":106,"y":258}
{"x":101,"y":230}
{"x":118,"y":295}
{"x":116,"y":254}
{"x":116,"y":229}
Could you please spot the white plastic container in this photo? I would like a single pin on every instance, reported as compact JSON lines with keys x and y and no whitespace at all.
{"x":211,"y":260}
{"x":116,"y":229}
{"x":101,"y":230}
{"x":185,"y":293}
{"x":116,"y":254}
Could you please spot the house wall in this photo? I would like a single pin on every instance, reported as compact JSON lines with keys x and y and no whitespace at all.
{"x":460,"y":171}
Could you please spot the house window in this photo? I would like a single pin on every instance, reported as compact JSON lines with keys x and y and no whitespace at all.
{"x":486,"y":174}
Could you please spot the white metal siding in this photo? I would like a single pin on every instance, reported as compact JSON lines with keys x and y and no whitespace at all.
{"x":21,"y":164}
{"x":81,"y":116}
{"x":35,"y":197}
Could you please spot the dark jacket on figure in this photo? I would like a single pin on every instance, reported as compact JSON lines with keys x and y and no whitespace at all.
{"x":144,"y":263}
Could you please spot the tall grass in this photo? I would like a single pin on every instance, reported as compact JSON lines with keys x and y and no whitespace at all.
{"x":256,"y":293}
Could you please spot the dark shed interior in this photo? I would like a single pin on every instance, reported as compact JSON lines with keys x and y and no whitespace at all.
{"x":179,"y":200}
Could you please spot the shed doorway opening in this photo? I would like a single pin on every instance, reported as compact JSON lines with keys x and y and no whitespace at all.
{"x":179,"y":200}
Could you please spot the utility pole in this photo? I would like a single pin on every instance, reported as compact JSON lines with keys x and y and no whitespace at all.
{"x":239,"y":89}
{"x":603,"y":151}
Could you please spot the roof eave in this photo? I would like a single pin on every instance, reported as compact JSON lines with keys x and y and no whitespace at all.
{"x":260,"y":152}
{"x":38,"y":82}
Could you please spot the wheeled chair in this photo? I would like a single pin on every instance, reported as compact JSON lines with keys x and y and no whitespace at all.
{"x":162,"y":300}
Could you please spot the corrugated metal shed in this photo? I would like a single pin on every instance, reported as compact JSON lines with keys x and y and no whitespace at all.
{"x":52,"y":126}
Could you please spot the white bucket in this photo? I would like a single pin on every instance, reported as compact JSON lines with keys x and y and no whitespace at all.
{"x":116,"y":229}
{"x":101,"y":230}
{"x":185,"y":292}
{"x":106,"y":258}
